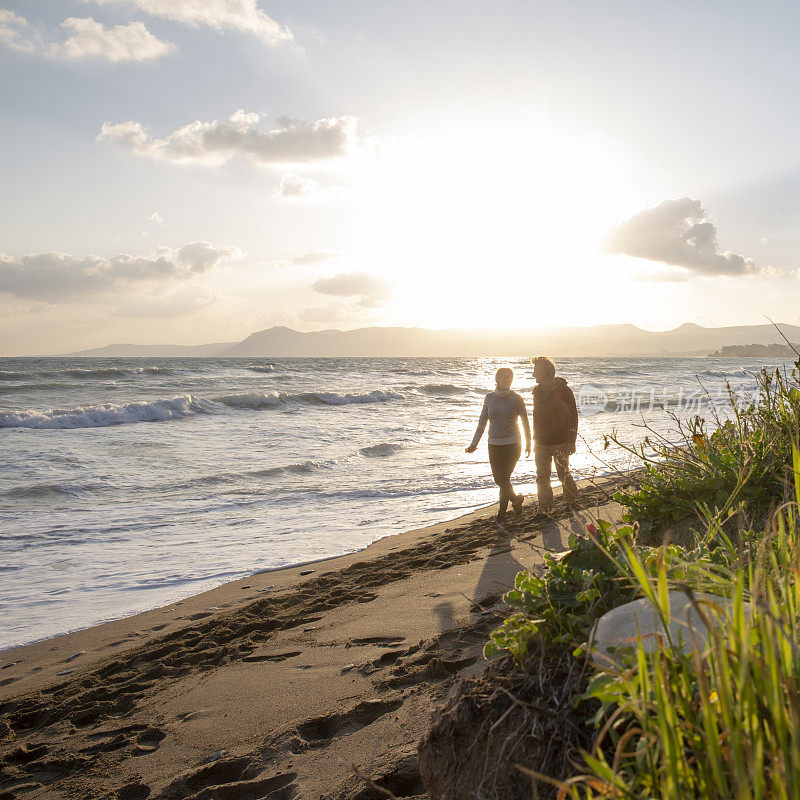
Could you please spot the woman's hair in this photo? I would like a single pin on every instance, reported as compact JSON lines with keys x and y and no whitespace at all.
{"x":504,"y":372}
{"x":545,"y":365}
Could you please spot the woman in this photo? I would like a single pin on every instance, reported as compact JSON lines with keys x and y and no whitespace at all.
{"x":501,"y":408}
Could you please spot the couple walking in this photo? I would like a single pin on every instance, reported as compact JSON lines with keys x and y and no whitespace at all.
{"x":555,"y":428}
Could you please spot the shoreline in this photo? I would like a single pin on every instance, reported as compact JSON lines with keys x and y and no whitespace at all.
{"x":180,"y":599}
{"x":289,"y":677}
{"x":185,"y":608}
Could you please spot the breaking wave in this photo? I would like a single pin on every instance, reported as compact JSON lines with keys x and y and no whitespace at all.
{"x":103,"y":415}
{"x":106,"y":414}
{"x":266,"y":368}
{"x":380,"y":450}
{"x":258,"y":400}
{"x":254,"y":400}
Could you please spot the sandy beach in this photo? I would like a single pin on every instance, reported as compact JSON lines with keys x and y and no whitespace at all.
{"x":309,"y":682}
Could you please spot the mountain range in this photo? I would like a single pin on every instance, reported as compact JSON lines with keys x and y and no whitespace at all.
{"x":600,"y":340}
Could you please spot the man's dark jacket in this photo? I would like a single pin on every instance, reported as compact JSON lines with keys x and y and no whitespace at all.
{"x":555,"y":415}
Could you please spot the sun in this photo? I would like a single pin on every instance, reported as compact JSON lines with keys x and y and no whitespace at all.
{"x":469,"y":224}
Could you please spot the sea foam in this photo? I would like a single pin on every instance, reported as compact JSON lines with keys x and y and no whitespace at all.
{"x":103,"y":415}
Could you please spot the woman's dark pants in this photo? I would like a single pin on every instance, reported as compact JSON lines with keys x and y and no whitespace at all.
{"x":503,"y":458}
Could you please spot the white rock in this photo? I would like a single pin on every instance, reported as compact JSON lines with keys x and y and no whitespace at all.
{"x":621,"y":626}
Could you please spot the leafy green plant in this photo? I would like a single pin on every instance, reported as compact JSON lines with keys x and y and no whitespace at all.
{"x":579,"y":586}
{"x":721,"y":720}
{"x":594,"y":576}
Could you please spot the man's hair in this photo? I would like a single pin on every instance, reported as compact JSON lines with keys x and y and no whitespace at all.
{"x":505,"y":372}
{"x":546,"y":365}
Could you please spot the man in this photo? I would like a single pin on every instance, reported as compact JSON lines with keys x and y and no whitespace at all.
{"x":555,"y":428}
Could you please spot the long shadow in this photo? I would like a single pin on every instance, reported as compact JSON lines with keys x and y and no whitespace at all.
{"x":496,"y":578}
{"x":500,"y":568}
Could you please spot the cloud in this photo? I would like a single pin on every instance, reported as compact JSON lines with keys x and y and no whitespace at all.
{"x":90,"y":39}
{"x":678,"y":232}
{"x":371,"y":289}
{"x":243,"y":16}
{"x":86,"y":39}
{"x":215,"y":143}
{"x":156,"y":219}
{"x":60,"y":277}
{"x":319,"y":257}
{"x":295,"y":188}
{"x":16,"y":34}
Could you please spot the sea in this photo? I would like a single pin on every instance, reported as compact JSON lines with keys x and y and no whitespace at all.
{"x":126,"y":484}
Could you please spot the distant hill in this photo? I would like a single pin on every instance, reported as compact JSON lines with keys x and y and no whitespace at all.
{"x":154,"y":350}
{"x":599,"y":340}
{"x":757,"y":351}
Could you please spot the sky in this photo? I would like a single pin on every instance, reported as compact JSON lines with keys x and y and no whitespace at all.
{"x":191,"y":171}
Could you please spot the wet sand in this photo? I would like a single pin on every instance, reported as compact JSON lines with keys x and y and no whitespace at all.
{"x":309,"y":682}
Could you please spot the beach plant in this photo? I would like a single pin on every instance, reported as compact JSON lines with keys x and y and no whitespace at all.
{"x":599,"y":573}
{"x":736,"y":471}
{"x":578,"y":585}
{"x":720,"y":719}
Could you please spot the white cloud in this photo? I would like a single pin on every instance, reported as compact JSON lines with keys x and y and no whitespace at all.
{"x":678,"y":232}
{"x":243,"y":16}
{"x":294,"y":186}
{"x":86,"y":39}
{"x":371,"y":289}
{"x":215,"y":143}
{"x":58,"y":277}
{"x":16,"y":34}
{"x":91,"y":39}
{"x":156,"y":219}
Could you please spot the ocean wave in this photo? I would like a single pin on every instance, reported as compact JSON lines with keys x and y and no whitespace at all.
{"x":266,"y":368}
{"x":476,"y":484}
{"x":721,"y":373}
{"x":116,"y":372}
{"x":8,"y":375}
{"x":43,"y":490}
{"x":442,"y":389}
{"x":299,"y":468}
{"x":104,"y":415}
{"x":380,"y":450}
{"x":336,"y":399}
{"x":258,"y":400}
{"x":81,"y":373}
{"x":33,"y":387}
{"x":254,"y":400}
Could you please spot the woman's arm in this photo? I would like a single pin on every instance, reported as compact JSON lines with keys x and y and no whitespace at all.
{"x":484,"y":418}
{"x":526,"y":427}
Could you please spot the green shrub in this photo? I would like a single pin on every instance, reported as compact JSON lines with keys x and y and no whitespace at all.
{"x":722,"y":721}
